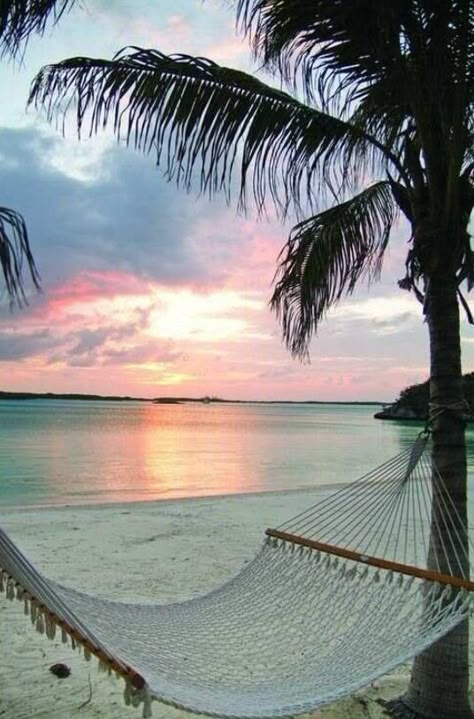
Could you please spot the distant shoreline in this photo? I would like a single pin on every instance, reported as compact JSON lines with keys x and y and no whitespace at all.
{"x":170,"y":400}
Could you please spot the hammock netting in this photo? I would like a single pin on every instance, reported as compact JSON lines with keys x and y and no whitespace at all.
{"x":336,"y":597}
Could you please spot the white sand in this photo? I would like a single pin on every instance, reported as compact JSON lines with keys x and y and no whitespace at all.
{"x":163,"y":550}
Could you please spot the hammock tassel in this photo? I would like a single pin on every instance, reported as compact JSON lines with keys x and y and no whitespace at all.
{"x":364,"y":573}
{"x":50,"y":627}
{"x":135,"y":697}
{"x":40,"y":624}
{"x":147,"y":712}
{"x":351,"y":573}
{"x":11,"y":590}
{"x":142,"y":696}
{"x":408,"y":582}
{"x":127,"y":694}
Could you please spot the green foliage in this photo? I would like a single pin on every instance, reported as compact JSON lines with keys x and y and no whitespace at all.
{"x":21,"y":18}
{"x":416,"y":397}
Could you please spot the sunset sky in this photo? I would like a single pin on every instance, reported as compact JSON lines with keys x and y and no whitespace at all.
{"x":149,"y":291}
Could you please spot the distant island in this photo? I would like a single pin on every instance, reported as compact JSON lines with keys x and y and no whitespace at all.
{"x":412,"y":403}
{"x":86,"y":397}
{"x":165,"y":400}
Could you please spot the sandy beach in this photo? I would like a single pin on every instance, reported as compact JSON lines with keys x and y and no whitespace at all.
{"x":165,"y":551}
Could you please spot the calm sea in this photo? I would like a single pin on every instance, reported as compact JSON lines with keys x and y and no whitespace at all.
{"x":76,"y":452}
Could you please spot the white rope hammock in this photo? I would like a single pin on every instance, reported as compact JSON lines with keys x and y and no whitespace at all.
{"x":335,"y":598}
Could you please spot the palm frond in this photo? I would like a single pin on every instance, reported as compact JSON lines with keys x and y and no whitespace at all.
{"x":14,"y":251}
{"x":21,"y":18}
{"x":339,"y":48}
{"x":325,"y":257}
{"x":199,"y":118}
{"x":333,"y":44}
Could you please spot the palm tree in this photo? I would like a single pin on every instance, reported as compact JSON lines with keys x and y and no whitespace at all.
{"x":388,"y":100}
{"x":18,"y":20}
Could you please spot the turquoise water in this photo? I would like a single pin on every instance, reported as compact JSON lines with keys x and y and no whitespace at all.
{"x":75,"y":452}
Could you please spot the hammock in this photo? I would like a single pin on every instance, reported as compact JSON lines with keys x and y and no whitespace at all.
{"x":336,"y":597}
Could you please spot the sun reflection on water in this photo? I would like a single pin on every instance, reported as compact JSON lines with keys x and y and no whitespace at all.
{"x":54,"y":452}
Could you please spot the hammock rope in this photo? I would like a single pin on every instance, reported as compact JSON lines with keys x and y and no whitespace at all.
{"x":337,"y":596}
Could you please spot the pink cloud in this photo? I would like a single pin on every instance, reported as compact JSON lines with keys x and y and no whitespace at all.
{"x":173,"y":33}
{"x":111,"y":332}
{"x":176,"y":35}
{"x":244,"y":251}
{"x":85,"y":288}
{"x":231,"y":51}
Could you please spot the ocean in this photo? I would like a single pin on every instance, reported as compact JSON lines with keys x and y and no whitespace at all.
{"x":59,"y":452}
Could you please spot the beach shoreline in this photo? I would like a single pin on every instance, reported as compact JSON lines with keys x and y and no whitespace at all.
{"x":162,"y":551}
{"x":320,"y":490}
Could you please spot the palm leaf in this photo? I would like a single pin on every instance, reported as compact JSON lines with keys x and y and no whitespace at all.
{"x":14,"y":251}
{"x":328,"y":42}
{"x":340,"y":49}
{"x":324,"y":258}
{"x":21,"y":18}
{"x":199,"y":118}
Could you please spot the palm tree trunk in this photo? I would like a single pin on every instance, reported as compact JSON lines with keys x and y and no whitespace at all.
{"x":440,"y":675}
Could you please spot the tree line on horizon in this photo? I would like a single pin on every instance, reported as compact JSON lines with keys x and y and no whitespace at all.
{"x":415,"y":399}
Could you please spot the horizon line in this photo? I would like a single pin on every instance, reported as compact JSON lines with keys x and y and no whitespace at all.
{"x":170,"y":399}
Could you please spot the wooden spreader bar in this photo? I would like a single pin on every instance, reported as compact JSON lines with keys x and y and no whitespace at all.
{"x":408,"y":569}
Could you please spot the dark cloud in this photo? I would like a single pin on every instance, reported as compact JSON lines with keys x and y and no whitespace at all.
{"x":394,"y":322}
{"x":91,"y":346}
{"x":141,"y":353}
{"x":100,"y":354}
{"x":87,"y":360}
{"x":14,"y":346}
{"x":129,"y":219}
{"x":89,"y":340}
{"x":87,"y":347}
